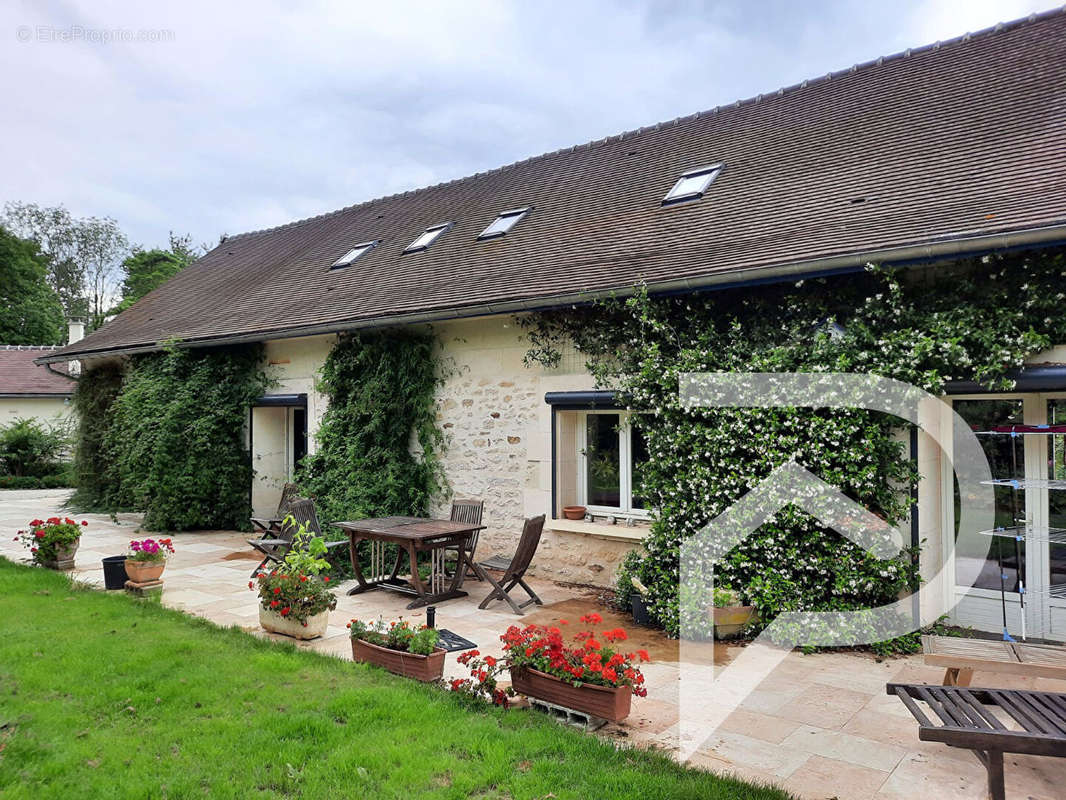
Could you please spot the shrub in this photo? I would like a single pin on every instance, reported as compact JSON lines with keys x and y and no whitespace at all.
{"x":59,"y":480}
{"x":381,"y":388}
{"x":167,"y":437}
{"x":29,"y":449}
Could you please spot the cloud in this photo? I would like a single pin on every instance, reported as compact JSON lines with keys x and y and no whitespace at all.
{"x":257,"y":113}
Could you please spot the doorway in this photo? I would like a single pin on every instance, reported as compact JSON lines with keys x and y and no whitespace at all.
{"x":278,"y":428}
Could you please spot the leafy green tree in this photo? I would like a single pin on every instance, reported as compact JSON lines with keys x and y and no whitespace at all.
{"x":145,"y":270}
{"x":30,"y":310}
{"x":83,"y":255}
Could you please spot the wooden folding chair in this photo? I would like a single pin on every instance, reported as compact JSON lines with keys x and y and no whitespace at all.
{"x":514,"y":568}
{"x":466,"y":511}
{"x":302,"y":512}
{"x":272,"y":525}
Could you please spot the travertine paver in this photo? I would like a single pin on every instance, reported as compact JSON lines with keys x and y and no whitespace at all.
{"x":820,"y":726}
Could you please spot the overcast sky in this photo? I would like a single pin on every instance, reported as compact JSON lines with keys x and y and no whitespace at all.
{"x":224,"y":117}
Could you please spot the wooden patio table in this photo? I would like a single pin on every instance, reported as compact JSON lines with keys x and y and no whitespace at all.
{"x":412,"y":535}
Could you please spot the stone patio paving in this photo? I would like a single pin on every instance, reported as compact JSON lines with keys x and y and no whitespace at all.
{"x":820,"y":726}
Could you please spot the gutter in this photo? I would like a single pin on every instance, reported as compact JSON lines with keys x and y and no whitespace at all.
{"x":34,"y":396}
{"x":854,"y":262}
{"x":1035,"y":378}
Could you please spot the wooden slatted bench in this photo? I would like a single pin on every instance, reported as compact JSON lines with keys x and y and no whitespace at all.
{"x":962,"y":657}
{"x":990,"y":722}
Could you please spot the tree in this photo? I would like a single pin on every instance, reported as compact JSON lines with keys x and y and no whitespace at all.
{"x":83,"y":255}
{"x":146,"y":270}
{"x":30,"y":310}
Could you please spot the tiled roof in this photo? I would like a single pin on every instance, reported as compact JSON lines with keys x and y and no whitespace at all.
{"x":20,"y":376}
{"x":954,"y":141}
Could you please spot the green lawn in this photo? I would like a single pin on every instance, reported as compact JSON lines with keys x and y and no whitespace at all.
{"x":104,"y":696}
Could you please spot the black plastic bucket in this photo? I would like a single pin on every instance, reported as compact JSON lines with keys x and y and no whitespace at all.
{"x":114,"y":572}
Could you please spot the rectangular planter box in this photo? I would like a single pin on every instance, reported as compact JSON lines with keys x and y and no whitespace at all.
{"x":410,"y":665}
{"x":732,"y":620}
{"x":599,"y":701}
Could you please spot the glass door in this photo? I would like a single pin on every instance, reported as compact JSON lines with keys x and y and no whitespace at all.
{"x":1053,"y":555}
{"x":989,"y":586}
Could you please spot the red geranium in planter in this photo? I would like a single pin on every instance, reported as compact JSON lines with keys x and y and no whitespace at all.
{"x":591,"y":675}
{"x":52,"y":541}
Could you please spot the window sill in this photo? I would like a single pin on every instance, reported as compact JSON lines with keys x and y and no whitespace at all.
{"x":636,"y":533}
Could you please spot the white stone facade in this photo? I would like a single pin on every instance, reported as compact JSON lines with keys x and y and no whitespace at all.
{"x":497,"y":426}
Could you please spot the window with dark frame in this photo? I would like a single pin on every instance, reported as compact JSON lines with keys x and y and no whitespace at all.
{"x":427,"y":237}
{"x":692,"y":184}
{"x":354,"y":254}
{"x":503,"y":223}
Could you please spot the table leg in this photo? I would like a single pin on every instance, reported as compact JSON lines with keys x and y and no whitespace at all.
{"x":993,"y":762}
{"x":416,"y":579}
{"x":437,"y":593}
{"x":354,"y":555}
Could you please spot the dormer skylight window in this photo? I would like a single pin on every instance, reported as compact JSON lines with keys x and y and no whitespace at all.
{"x":427,"y":238}
{"x":352,"y":255}
{"x":503,"y":223}
{"x":692,"y":184}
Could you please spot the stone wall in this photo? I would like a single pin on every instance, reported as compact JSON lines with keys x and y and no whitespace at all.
{"x":492,"y":410}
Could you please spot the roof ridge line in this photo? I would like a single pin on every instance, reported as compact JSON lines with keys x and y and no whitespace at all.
{"x":804,"y":84}
{"x":14,"y":347}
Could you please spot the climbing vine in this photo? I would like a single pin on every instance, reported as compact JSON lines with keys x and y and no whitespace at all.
{"x":94,"y":397}
{"x":378,"y":443}
{"x":976,"y":320}
{"x":167,"y":435}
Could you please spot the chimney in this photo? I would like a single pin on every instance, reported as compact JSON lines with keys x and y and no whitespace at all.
{"x":75,"y":333}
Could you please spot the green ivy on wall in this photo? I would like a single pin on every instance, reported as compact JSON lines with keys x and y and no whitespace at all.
{"x":378,"y":443}
{"x":975,"y":321}
{"x":94,"y":398}
{"x":171,"y":439}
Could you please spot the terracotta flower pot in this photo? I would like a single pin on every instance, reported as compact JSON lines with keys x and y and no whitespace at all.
{"x":732,"y":620}
{"x":144,"y":571}
{"x":410,"y":665}
{"x":275,"y":623}
{"x":64,"y":556}
{"x":611,"y":703}
{"x":574,"y":512}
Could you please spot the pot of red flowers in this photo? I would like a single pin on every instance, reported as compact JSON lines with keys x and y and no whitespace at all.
{"x":53,"y":541}
{"x":591,"y":675}
{"x":147,"y":558}
{"x":294,"y":597}
{"x":399,"y":647}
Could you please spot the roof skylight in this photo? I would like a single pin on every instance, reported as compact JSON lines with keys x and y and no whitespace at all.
{"x":692,"y":184}
{"x":428,"y":237}
{"x":353,"y":254}
{"x":503,"y":223}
